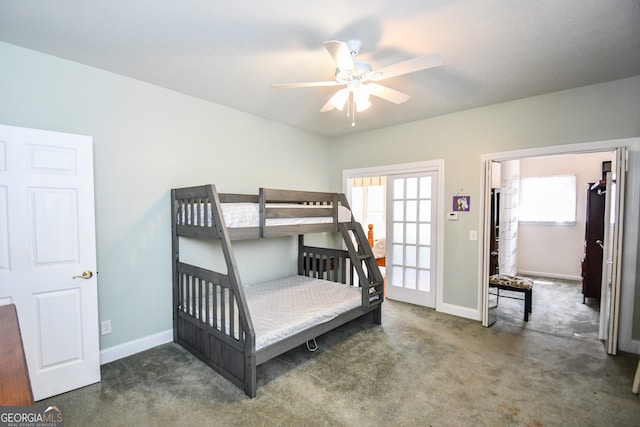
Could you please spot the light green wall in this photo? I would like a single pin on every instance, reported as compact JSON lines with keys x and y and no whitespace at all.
{"x":148,"y":140}
{"x":600,"y":112}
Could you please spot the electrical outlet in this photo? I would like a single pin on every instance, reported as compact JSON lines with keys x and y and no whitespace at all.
{"x":105,"y":327}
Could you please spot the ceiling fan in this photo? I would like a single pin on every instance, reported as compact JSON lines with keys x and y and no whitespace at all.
{"x":359,"y":78}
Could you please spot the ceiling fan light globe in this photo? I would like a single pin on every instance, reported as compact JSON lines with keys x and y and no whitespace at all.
{"x":340,"y":98}
{"x":361,"y":95}
{"x":362,"y":105}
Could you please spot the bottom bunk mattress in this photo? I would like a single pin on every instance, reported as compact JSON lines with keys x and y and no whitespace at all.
{"x":281,"y":308}
{"x":284,"y":307}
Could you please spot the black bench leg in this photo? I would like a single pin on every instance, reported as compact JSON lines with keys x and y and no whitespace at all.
{"x":527,"y":304}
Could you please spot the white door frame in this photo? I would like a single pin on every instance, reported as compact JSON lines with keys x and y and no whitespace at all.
{"x":414,"y":167}
{"x":629,"y":257}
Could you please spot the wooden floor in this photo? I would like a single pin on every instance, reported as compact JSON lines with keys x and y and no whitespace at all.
{"x":15,"y":386}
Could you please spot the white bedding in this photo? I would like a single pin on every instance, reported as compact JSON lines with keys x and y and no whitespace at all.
{"x":379,"y":248}
{"x":284,"y":307}
{"x":281,"y":308}
{"x":240,"y":215}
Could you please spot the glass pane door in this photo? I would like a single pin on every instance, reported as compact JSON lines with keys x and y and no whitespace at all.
{"x":411,"y":238}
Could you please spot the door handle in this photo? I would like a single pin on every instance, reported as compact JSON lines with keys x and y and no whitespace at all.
{"x":87,"y":274}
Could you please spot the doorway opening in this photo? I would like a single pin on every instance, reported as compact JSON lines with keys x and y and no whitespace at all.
{"x":612,"y":270}
{"x":547,"y":224}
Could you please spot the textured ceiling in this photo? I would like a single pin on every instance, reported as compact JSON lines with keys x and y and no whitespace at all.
{"x":231,"y":52}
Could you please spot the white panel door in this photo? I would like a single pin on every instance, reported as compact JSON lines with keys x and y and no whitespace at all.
{"x":411,"y":238}
{"x":48,"y":255}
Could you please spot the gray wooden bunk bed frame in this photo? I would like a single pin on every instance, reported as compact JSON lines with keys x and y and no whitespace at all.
{"x":226,"y":341}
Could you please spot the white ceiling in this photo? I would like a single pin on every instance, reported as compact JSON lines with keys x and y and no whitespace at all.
{"x":230,"y":52}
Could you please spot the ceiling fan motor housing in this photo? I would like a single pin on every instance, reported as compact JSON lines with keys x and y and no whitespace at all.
{"x":358,"y":73}
{"x":354,"y":46}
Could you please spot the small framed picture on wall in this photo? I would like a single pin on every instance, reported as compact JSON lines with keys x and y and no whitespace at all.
{"x":461,"y":203}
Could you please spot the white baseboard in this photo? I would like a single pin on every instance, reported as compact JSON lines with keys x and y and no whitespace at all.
{"x":550,"y":275}
{"x":136,"y":346}
{"x":457,"y":310}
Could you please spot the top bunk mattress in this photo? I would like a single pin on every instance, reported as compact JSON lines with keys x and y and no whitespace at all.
{"x":245,"y":215}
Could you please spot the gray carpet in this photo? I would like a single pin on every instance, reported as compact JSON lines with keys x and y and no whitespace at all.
{"x":419,"y":368}
{"x":557,"y":309}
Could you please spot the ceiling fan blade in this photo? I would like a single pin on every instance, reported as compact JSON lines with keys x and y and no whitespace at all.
{"x":304,"y":84}
{"x":387,"y":93}
{"x":409,"y":66}
{"x":341,"y":54}
{"x":327,"y":107}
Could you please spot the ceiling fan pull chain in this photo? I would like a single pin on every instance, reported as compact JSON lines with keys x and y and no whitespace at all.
{"x":353,"y":111}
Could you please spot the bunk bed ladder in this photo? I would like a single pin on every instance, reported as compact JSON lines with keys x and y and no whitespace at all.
{"x":360,"y":253}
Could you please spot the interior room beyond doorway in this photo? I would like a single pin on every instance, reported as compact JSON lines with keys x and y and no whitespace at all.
{"x":551,"y":252}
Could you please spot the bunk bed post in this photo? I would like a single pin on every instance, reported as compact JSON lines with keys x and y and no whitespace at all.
{"x":175,"y":250}
{"x":334,"y":203}
{"x":377,"y":315}
{"x":301,"y":254}
{"x":262,"y":206}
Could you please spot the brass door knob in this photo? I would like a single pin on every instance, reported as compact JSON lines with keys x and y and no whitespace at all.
{"x":87,"y":274}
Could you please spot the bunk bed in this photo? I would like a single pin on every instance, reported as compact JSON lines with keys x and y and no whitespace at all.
{"x":233,"y":328}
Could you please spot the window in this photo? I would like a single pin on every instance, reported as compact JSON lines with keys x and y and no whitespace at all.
{"x":548,"y":199}
{"x":368,"y":203}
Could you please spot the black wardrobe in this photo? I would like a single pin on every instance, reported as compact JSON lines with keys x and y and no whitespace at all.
{"x":593,"y":241}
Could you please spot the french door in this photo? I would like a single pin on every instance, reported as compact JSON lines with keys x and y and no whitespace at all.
{"x":612,"y":254}
{"x":411,"y":238}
